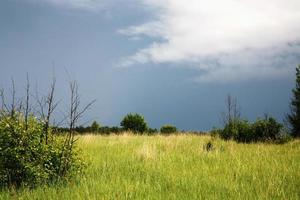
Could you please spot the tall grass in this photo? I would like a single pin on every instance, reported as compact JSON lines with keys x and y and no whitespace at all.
{"x":178,"y":167}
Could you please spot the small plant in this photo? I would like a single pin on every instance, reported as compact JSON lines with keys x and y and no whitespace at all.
{"x":135,"y":123}
{"x":208,"y":146}
{"x":168,"y":129}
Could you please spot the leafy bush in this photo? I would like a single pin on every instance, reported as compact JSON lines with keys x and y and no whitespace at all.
{"x":262,"y":130}
{"x":167,"y":129}
{"x":267,"y":129}
{"x":135,"y":123}
{"x":151,"y":131}
{"x":239,"y":130}
{"x":26,"y":159}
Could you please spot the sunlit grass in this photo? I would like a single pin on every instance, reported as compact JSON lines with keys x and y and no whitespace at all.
{"x":178,"y":167}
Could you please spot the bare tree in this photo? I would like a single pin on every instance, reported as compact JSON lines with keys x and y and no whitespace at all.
{"x":50,"y":105}
{"x":27,"y":102}
{"x":13,"y":100}
{"x":14,"y":106}
{"x":47,"y":105}
{"x":75,"y":113}
{"x":232,"y":110}
{"x":3,"y":102}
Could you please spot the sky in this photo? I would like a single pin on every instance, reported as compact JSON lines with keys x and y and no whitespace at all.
{"x":172,"y":61}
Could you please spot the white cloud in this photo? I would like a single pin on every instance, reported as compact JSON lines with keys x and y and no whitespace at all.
{"x":244,"y":36}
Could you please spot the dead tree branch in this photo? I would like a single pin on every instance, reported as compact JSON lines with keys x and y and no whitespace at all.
{"x":232,"y":110}
{"x":74,"y":115}
{"x":27,"y":102}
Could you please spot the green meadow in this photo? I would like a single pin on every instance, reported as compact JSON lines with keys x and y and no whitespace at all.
{"x":177,"y":167}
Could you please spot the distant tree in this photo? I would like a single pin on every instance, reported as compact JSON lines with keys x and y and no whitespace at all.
{"x":294,"y":117}
{"x":134,"y":122}
{"x":231,"y":117}
{"x":115,"y":129}
{"x":167,"y":129}
{"x":80,"y":129}
{"x":95,"y":126}
{"x":152,"y":130}
{"x":232,"y":110}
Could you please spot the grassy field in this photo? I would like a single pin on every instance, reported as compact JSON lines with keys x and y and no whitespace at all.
{"x":178,"y":167}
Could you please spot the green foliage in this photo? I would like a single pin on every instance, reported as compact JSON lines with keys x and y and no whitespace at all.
{"x":239,"y":130}
{"x":102,"y":130}
{"x":267,"y":129}
{"x":167,"y":129}
{"x":26,"y":159}
{"x":208,"y":146}
{"x":151,"y":131}
{"x":216,"y":132}
{"x":294,"y":116}
{"x":262,"y":130}
{"x":135,"y":123}
{"x":95,"y":127}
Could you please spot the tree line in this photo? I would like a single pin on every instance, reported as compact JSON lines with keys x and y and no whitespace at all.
{"x":132,"y":122}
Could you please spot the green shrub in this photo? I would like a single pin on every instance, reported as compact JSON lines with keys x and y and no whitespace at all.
{"x":243,"y":131}
{"x":26,"y":159}
{"x":267,"y":129}
{"x":239,"y":130}
{"x":262,"y":130}
{"x":151,"y":131}
{"x":135,"y":123}
{"x":167,"y":129}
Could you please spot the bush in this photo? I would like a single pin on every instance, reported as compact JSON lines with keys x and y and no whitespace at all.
{"x":262,"y":130}
{"x":243,"y":131}
{"x":167,"y":129}
{"x":151,"y":131}
{"x":26,"y":159}
{"x":267,"y":129}
{"x":135,"y":123}
{"x":239,"y":130}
